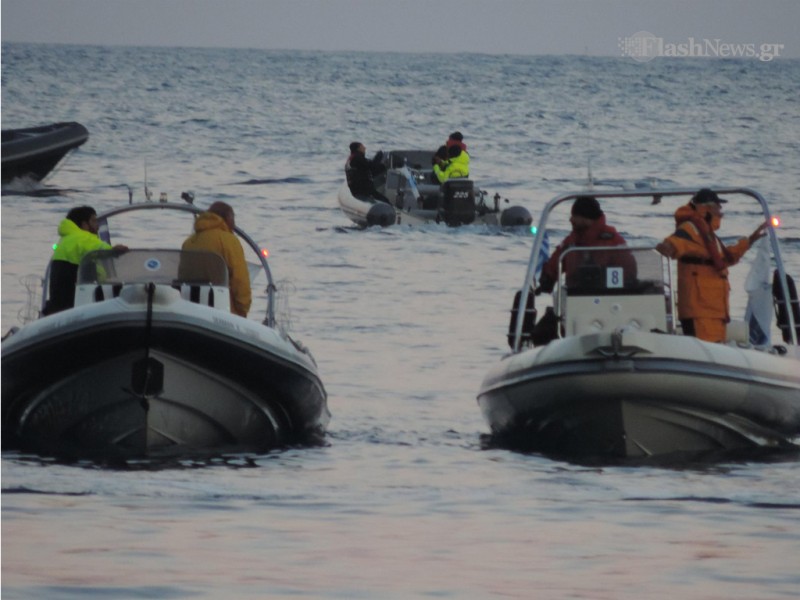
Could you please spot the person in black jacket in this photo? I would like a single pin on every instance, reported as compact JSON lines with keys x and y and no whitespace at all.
{"x":361,"y":172}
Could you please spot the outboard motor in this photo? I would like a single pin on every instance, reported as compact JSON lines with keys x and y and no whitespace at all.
{"x":458,"y":204}
{"x":515,"y":216}
{"x":381,"y":214}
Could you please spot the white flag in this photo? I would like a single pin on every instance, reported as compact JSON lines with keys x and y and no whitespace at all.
{"x":758,"y":314}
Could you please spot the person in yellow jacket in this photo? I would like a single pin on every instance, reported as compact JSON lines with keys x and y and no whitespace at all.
{"x":456,"y":165}
{"x":213,"y":231}
{"x":77,"y":237}
{"x":703,"y":261}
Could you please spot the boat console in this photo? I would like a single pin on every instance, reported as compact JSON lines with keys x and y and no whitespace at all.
{"x":605,"y":289}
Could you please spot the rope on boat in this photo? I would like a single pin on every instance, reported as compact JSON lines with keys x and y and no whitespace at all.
{"x":150,"y":288}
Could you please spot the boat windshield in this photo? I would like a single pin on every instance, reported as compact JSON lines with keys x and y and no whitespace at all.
{"x":613,"y":271}
{"x":416,"y":160}
{"x":169,"y":267}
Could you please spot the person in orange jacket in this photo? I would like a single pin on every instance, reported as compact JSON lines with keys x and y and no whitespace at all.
{"x":214,"y":231}
{"x":703,"y":261}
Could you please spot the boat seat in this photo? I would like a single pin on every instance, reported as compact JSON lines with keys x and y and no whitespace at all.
{"x":199,"y":294}
{"x":204,"y":293}
{"x":96,"y":292}
{"x":104,"y":291}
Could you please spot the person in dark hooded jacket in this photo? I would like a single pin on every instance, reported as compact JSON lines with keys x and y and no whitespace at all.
{"x":361,"y":172}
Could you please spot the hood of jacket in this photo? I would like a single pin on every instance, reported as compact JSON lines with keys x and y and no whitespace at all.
{"x":207,"y":221}
{"x":591,"y":235}
{"x":67,"y":227}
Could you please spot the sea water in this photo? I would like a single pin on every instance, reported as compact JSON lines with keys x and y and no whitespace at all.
{"x":405,"y":499}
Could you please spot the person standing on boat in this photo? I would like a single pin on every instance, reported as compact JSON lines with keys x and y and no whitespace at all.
{"x":703,"y":261}
{"x":589,"y":228}
{"x":361,"y":172}
{"x":214,"y":232}
{"x":78,"y":237}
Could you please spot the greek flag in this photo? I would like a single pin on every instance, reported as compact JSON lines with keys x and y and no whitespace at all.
{"x":758,"y":314}
{"x":544,"y":254}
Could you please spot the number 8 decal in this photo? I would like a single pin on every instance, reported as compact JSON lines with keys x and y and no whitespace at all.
{"x":614,"y":277}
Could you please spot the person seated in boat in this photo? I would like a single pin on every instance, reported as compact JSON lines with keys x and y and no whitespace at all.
{"x":214,"y":231}
{"x":361,"y":172}
{"x":456,"y":139}
{"x":703,"y":261}
{"x":456,"y":165}
{"x":78,"y":237}
{"x":589,"y":228}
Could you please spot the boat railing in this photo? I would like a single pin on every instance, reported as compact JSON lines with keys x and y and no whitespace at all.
{"x":105,"y":235}
{"x":655,"y":196}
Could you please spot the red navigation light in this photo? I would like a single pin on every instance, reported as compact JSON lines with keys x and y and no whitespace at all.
{"x":264,"y":252}
{"x":775,"y":221}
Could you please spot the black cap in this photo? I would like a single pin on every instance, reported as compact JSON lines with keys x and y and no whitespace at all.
{"x":706,"y":196}
{"x":587,"y":207}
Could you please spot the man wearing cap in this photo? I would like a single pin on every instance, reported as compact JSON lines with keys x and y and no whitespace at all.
{"x":589,"y":228}
{"x":703,"y":261}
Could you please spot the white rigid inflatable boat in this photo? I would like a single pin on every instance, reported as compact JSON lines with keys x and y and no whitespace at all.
{"x":416,"y":198}
{"x":620,"y":381}
{"x":151,"y":361}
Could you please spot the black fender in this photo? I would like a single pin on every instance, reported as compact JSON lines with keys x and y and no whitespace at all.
{"x":381,"y":214}
{"x":515,"y":216}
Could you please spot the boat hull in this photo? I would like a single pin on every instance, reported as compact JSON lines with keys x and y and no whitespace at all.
{"x":36,"y":151}
{"x":102,"y":381}
{"x":656,"y":395}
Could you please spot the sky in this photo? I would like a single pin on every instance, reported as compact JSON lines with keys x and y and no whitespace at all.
{"x":529,"y":27}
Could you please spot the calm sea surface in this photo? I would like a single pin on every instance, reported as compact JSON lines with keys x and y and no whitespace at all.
{"x":405,"y":500}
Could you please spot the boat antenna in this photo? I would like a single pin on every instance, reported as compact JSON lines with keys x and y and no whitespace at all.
{"x":589,"y":177}
{"x":147,"y":193}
